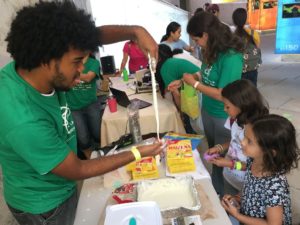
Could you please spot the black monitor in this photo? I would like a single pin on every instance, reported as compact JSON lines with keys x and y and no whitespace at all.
{"x":108,"y":64}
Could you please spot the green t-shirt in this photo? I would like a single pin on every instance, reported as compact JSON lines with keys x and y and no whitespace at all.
{"x":174,"y":68}
{"x":84,"y":93}
{"x":227,"y":68}
{"x":36,"y":134}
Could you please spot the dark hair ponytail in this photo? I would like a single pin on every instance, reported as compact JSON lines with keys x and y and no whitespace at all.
{"x":239,"y":18}
{"x":164,"y":53}
{"x":171,"y":28}
{"x":164,"y":38}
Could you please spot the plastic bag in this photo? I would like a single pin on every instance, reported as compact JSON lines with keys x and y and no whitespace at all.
{"x":189,"y":101}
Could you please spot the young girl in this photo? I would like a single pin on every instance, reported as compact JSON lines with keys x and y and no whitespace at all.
{"x":243,"y":103}
{"x":270,"y":143}
{"x":239,"y":18}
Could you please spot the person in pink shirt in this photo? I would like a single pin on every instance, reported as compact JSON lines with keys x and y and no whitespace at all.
{"x":137,"y":59}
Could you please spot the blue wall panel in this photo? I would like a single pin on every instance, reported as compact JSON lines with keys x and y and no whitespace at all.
{"x":288,"y":27}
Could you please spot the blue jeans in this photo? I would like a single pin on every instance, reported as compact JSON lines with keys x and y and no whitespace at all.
{"x":251,"y":75}
{"x":215,"y":133}
{"x":87,"y":122}
{"x":63,"y":214}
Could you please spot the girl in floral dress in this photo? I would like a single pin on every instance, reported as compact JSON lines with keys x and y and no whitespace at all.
{"x":270,"y":143}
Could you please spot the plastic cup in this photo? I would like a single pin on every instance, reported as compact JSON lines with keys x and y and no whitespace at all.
{"x":112,"y":104}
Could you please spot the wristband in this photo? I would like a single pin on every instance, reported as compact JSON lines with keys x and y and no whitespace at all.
{"x":232,"y":164}
{"x":136,"y":153}
{"x":238,"y":165}
{"x":196,"y":84}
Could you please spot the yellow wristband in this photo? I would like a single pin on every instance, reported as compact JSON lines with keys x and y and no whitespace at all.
{"x":238,"y":165}
{"x":136,"y":153}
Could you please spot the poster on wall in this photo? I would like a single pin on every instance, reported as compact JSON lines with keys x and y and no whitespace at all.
{"x":288,"y":27}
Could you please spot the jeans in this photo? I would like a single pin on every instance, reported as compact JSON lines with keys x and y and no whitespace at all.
{"x":87,"y":122}
{"x":63,"y":214}
{"x":215,"y":133}
{"x":251,"y":75}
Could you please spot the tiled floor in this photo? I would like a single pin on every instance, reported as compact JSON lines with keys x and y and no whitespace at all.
{"x":279,"y":82}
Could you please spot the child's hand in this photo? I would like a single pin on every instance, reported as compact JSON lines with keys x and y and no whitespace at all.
{"x":213,"y":150}
{"x":211,"y":153}
{"x":221,"y":162}
{"x":231,"y":205}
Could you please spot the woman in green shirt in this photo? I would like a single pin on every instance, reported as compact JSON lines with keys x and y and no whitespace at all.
{"x":222,"y":64}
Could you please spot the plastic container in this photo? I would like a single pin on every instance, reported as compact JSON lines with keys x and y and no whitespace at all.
{"x":139,"y":213}
{"x":112,"y":103}
{"x":134,"y":124}
{"x":170,"y":193}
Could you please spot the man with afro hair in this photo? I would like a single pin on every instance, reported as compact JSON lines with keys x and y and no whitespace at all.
{"x":48,"y":42}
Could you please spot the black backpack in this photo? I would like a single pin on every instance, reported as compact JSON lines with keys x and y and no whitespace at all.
{"x":252,"y":56}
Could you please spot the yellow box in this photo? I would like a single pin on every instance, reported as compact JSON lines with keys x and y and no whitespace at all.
{"x":180,"y":156}
{"x":145,"y":168}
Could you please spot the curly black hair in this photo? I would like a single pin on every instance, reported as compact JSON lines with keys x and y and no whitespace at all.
{"x":47,"y":30}
{"x":244,"y":95}
{"x":220,"y":37}
{"x":276,"y":137}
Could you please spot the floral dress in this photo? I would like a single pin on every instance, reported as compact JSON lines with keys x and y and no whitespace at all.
{"x":262,"y":192}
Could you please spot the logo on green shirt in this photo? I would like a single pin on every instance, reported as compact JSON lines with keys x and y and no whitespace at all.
{"x":67,"y":120}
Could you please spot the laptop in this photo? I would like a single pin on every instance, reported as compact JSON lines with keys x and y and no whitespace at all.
{"x":123,"y":100}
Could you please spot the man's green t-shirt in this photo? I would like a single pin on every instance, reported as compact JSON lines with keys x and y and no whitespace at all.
{"x":174,"y":68}
{"x":227,"y":68}
{"x":84,"y":93}
{"x":36,"y":134}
